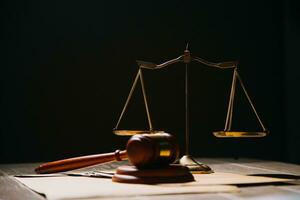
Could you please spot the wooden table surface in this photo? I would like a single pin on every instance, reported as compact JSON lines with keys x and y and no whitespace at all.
{"x":10,"y":189}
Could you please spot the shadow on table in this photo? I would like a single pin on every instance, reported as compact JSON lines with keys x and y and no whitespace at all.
{"x":295,"y":180}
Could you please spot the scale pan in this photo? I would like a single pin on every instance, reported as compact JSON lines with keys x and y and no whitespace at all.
{"x":239,"y":134}
{"x":134,"y":132}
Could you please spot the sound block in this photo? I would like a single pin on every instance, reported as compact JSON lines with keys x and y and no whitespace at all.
{"x":169,"y":174}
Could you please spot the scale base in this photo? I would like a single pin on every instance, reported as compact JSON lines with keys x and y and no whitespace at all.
{"x":194,"y":166}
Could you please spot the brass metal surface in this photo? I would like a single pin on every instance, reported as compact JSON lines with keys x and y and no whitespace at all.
{"x":134,"y":132}
{"x":223,"y":134}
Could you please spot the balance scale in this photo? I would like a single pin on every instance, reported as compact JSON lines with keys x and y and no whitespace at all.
{"x":186,"y":58}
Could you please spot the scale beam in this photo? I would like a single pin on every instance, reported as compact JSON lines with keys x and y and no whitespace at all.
{"x":187,"y":58}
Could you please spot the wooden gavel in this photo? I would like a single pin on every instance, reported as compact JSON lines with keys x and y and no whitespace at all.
{"x":143,"y":151}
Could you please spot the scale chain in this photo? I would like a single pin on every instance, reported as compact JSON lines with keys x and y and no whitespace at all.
{"x":145,"y":100}
{"x":128,"y":98}
{"x":250,"y":102}
{"x":138,"y":76}
{"x":230,"y":103}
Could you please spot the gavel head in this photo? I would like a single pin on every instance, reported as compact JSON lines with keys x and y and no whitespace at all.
{"x":152,"y":150}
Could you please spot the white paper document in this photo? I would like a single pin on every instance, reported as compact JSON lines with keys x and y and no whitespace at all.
{"x":68,"y":187}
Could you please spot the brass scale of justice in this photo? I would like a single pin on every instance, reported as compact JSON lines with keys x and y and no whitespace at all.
{"x":187,"y":160}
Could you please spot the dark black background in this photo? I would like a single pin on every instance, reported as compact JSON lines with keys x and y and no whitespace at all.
{"x":67,"y":68}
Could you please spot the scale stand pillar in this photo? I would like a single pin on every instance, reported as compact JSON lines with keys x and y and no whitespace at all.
{"x":187,"y":160}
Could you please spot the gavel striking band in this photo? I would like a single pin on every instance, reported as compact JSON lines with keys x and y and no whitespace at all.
{"x":143,"y":150}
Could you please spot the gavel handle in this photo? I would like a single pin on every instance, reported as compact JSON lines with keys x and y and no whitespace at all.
{"x":80,"y":162}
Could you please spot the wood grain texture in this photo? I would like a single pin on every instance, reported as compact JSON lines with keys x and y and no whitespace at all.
{"x":11,"y":189}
